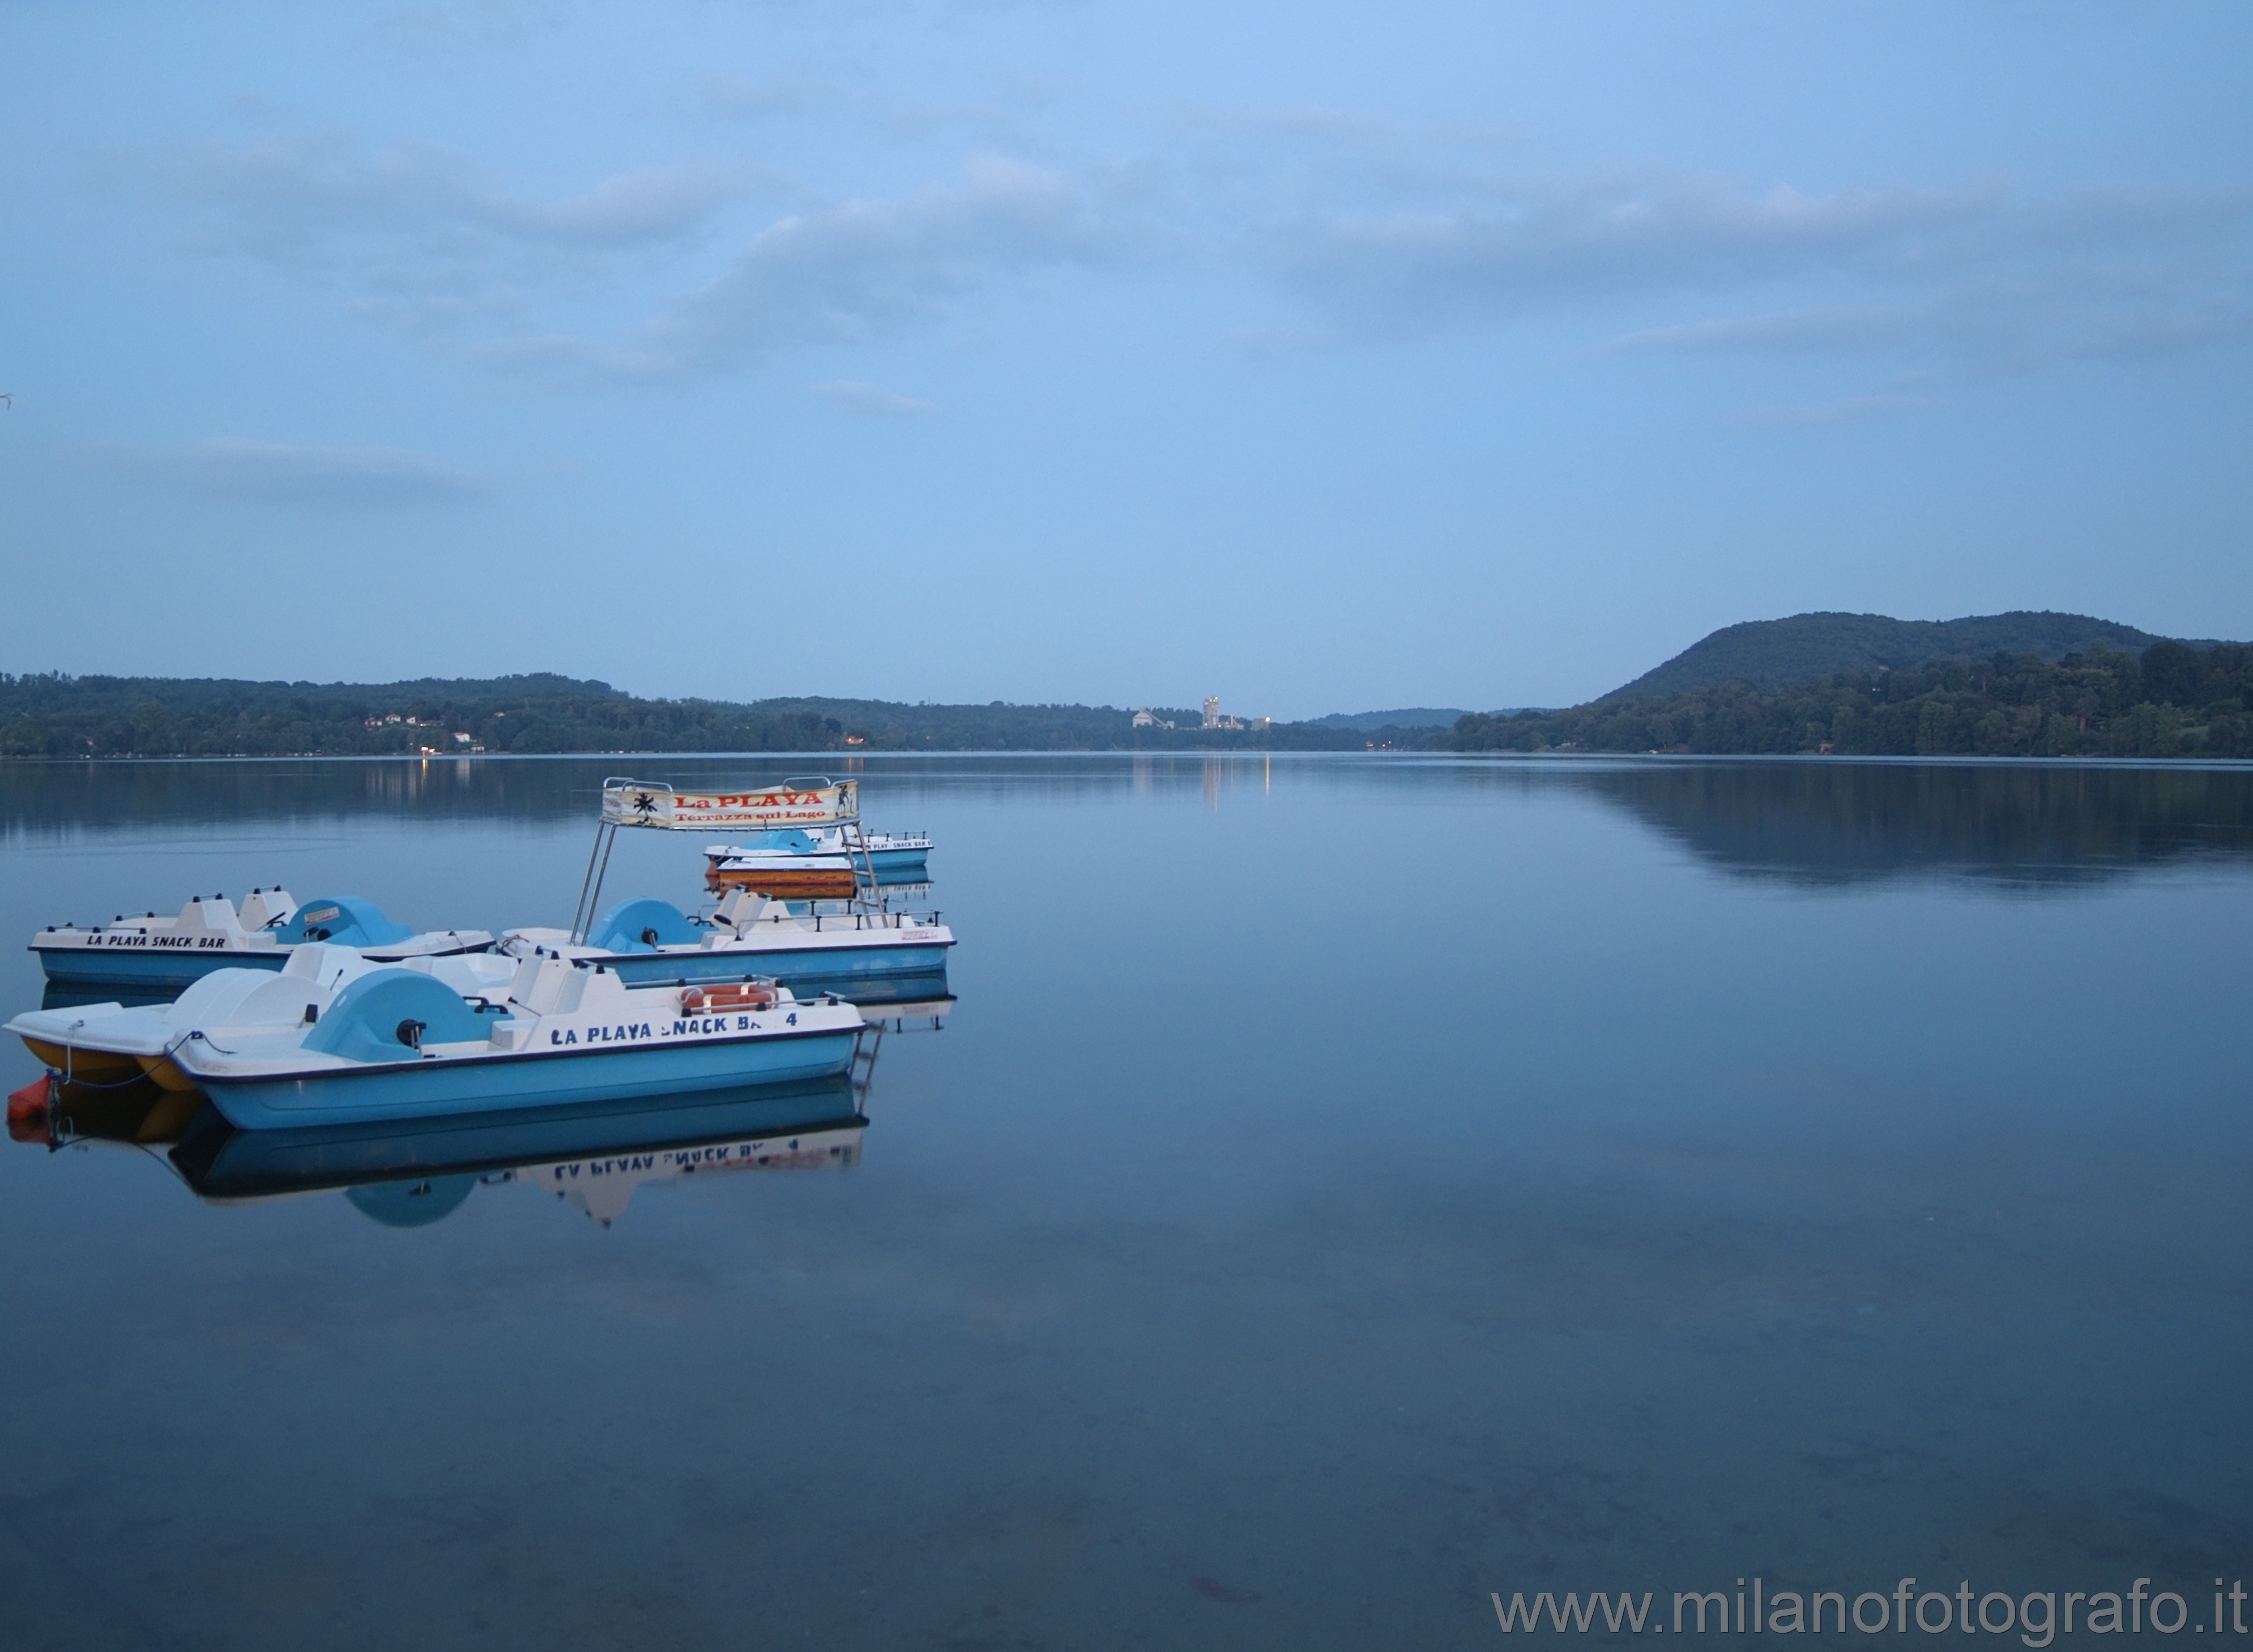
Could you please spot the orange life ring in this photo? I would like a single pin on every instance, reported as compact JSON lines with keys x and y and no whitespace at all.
{"x":727,"y":995}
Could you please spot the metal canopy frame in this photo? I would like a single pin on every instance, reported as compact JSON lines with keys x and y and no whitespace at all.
{"x":606,"y":836}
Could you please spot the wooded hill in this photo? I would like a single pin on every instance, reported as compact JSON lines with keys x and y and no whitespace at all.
{"x":61,"y":716}
{"x":1778,"y":653}
{"x":2176,"y":699}
{"x":2003,"y":685}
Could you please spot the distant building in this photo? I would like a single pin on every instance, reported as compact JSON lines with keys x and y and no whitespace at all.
{"x":1146,"y":718}
{"x":1212,"y":717}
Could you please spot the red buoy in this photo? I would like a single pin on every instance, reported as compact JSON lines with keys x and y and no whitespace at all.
{"x":29,"y":1105}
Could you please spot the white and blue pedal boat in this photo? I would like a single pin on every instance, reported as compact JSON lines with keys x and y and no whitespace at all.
{"x":335,"y":1040}
{"x":149,"y":954}
{"x":820,"y":862}
{"x":867,"y":954}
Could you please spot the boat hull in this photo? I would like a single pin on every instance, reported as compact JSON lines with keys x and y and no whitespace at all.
{"x":432,"y":1089}
{"x":166,"y":1074}
{"x":94,"y":1066}
{"x":854,"y":973}
{"x":150,"y":970}
{"x":220,"y":1161}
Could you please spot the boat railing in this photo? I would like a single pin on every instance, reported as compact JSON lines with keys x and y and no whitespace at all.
{"x":864,"y":919}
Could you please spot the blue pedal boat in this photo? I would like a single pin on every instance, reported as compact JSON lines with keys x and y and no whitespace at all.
{"x":151,"y":954}
{"x":770,"y":860}
{"x":399,"y":1042}
{"x":867,"y":955}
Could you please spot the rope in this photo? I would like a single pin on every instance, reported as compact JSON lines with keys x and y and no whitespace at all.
{"x":70,"y":1050}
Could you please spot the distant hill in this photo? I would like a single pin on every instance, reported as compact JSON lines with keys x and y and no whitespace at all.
{"x":54,"y":716}
{"x":1777,"y":653}
{"x":1411,"y":717}
{"x":2165,"y":698}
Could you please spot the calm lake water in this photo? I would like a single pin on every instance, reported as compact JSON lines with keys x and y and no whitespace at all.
{"x":1345,"y":1188}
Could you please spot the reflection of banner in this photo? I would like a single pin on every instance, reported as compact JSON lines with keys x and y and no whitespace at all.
{"x":729,"y":811}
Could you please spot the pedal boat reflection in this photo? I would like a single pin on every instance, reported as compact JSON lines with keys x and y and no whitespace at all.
{"x":592,"y":1158}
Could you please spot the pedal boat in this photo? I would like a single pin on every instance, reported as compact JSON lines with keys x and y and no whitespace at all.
{"x":397,"y":1042}
{"x":766,"y":861}
{"x":782,"y":869}
{"x":106,"y":1045}
{"x":151,"y":954}
{"x":859,"y":954}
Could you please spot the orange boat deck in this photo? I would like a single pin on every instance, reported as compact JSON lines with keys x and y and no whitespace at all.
{"x":783,"y":883}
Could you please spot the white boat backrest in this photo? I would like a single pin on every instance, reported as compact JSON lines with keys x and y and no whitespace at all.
{"x":602,"y":992}
{"x":281,"y":1000}
{"x":471,"y":974}
{"x":266,"y":906}
{"x":214,"y":916}
{"x":327,"y":962}
{"x":216,"y":999}
{"x":543,"y":985}
{"x":742,"y":908}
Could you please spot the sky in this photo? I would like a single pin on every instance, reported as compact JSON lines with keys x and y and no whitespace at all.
{"x":1323,"y":357}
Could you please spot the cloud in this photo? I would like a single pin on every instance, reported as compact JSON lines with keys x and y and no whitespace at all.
{"x":1536,"y":247}
{"x":1824,"y":414}
{"x":731,"y":95}
{"x":1981,"y":274}
{"x":301,"y":188}
{"x":423,"y":230}
{"x":1366,"y":233}
{"x":282,"y":473}
{"x":1835,"y":327}
{"x":2013,"y":326}
{"x":424,"y":227}
{"x":447,"y":30}
{"x":866,"y":268}
{"x":869,"y":399}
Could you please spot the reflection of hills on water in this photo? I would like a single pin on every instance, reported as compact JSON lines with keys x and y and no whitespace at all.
{"x":411,"y":1173}
{"x":98,"y":798}
{"x":1837,"y":823}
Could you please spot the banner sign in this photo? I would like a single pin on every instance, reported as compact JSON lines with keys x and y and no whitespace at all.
{"x":670,"y":811}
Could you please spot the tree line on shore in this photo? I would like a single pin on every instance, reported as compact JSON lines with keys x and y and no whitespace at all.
{"x":55,"y":715}
{"x":2176,"y":700}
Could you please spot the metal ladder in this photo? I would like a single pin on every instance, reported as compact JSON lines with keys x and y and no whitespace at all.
{"x":864,"y":1069}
